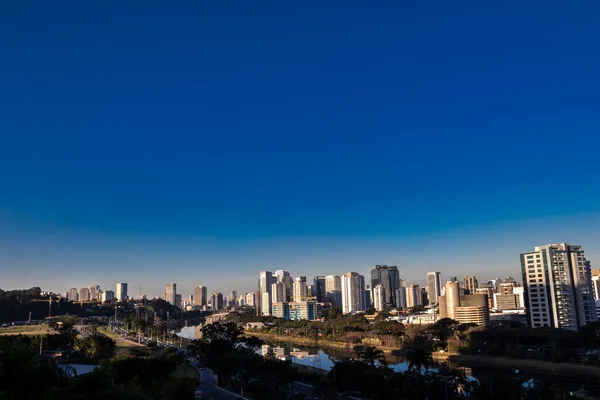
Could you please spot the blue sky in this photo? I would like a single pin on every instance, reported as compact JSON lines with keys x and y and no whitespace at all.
{"x":202,"y":142}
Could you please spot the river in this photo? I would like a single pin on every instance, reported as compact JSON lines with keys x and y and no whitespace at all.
{"x":315,"y":357}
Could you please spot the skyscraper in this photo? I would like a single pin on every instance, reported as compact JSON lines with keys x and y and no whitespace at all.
{"x":73,"y":294}
{"x":319,"y":286}
{"x":413,"y":296}
{"x":284,"y":277}
{"x":84,"y":294}
{"x":121,"y":292}
{"x":558,"y":287}
{"x":251,"y":299}
{"x":170,"y":293}
{"x":464,"y":309}
{"x":389,"y":279}
{"x":434,"y":286}
{"x":353,"y":292}
{"x":95,"y":292}
{"x":265,"y":279}
{"x":401,"y":297}
{"x":333,"y":290}
{"x":178,"y":302}
{"x":277,"y":292}
{"x":300,"y":289}
{"x":470,"y":284}
{"x":201,"y":296}
{"x":378,"y":297}
{"x":107,"y":295}
{"x":217,"y":301}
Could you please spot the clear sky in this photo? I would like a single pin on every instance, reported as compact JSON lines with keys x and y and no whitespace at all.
{"x":201,"y":142}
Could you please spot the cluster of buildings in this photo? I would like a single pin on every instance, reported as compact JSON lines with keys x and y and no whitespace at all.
{"x":559,"y":290}
{"x":95,"y":293}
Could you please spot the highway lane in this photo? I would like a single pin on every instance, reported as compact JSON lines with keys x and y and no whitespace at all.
{"x":210,"y":391}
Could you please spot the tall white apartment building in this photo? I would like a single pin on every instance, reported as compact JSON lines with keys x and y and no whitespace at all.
{"x":171,"y":293}
{"x":333,"y":290}
{"x":378,"y":299}
{"x":353,"y":292}
{"x":558,"y":287}
{"x":300,"y":290}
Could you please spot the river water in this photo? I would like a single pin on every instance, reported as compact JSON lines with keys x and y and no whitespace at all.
{"x":315,"y":357}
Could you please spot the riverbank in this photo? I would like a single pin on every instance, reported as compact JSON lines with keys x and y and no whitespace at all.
{"x":316,"y":343}
{"x":524,"y":365}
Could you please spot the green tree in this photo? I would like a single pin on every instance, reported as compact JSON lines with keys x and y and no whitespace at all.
{"x":371,"y":355}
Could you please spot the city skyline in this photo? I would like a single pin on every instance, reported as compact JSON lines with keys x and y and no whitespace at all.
{"x":317,"y":139}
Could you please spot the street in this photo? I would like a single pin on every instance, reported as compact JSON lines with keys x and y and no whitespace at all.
{"x":210,"y":391}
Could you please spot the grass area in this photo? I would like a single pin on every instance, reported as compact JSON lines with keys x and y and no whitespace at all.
{"x":125,"y":345}
{"x":186,"y":371}
{"x":26,"y":330}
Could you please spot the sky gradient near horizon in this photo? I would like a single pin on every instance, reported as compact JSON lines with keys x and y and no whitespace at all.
{"x":200,"y":143}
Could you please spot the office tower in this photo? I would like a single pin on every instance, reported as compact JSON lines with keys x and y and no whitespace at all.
{"x":434,"y":286}
{"x":265,"y":279}
{"x":368,"y":298}
{"x":284,"y":277}
{"x":265,"y":304}
{"x":178,"y":300}
{"x":401,"y":297}
{"x":378,"y":297}
{"x":121,"y":292}
{"x":470,"y":284}
{"x":73,"y":294}
{"x":464,"y":308}
{"x":353,"y":292}
{"x":300,"y":291}
{"x":558,"y":287}
{"x":84,"y":294}
{"x":487,"y":289}
{"x":277,"y":292}
{"x":389,"y":278}
{"x":320,"y":288}
{"x":233,"y":296}
{"x":201,"y":296}
{"x":217,"y":301}
{"x":413,"y":296}
{"x":333,"y":290}
{"x":171,"y":293}
{"x":424,"y":297}
{"x":251,"y":299}
{"x":107,"y":295}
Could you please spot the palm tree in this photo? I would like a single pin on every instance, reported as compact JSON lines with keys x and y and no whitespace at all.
{"x":419,"y":356}
{"x":371,"y":355}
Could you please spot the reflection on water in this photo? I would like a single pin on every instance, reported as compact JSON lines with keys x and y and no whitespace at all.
{"x":322,"y":358}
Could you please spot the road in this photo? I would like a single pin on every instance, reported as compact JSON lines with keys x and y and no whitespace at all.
{"x":210,"y":391}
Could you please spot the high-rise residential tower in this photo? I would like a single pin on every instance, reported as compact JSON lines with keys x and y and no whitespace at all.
{"x":277,"y":292}
{"x":470,"y":284}
{"x":378,"y":298}
{"x":284,"y":277}
{"x":333,"y":290}
{"x":558,"y":287}
{"x":73,"y":294}
{"x":300,"y":290}
{"x":389,"y":279}
{"x":84,"y":294}
{"x":121,"y":292}
{"x":413,"y":296}
{"x":201,"y":296}
{"x":353,"y":292}
{"x":434,"y":286}
{"x":171,"y":293}
{"x":265,"y":280}
{"x":217,"y":301}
